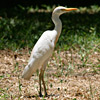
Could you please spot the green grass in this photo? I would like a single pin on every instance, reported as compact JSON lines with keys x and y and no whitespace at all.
{"x":20,"y":29}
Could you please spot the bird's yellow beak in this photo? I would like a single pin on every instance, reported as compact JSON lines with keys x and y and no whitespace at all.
{"x":69,"y":9}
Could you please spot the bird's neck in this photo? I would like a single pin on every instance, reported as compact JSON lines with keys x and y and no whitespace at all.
{"x":58,"y":26}
{"x":57,"y":23}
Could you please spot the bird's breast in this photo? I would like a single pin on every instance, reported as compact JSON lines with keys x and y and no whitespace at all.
{"x":43,"y":49}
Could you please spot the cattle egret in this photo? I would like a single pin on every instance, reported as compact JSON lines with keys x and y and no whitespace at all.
{"x":44,"y":47}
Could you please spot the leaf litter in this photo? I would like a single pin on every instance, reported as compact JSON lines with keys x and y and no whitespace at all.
{"x":65,"y":77}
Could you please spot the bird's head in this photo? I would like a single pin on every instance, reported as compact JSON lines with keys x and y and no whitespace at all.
{"x":60,"y":10}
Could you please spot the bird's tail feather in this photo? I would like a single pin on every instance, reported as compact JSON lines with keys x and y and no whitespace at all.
{"x":27,"y":73}
{"x":29,"y":70}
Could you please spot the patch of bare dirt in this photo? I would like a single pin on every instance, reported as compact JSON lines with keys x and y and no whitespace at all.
{"x":66,"y":77}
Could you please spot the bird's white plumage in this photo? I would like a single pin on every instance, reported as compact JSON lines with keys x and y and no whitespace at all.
{"x":45,"y":45}
{"x":40,"y":53}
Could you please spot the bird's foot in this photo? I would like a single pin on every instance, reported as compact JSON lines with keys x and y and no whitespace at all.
{"x":46,"y":94}
{"x":40,"y":94}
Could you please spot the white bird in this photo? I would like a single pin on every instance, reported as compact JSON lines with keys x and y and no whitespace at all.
{"x":44,"y":47}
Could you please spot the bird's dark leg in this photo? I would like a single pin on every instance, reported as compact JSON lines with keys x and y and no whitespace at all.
{"x":42,"y":71}
{"x":40,"y":76}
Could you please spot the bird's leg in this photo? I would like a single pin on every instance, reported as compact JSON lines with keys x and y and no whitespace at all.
{"x":44,"y":83}
{"x":41,"y":77}
{"x":40,"y":94}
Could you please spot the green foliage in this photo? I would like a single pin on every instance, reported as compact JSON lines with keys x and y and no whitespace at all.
{"x":21,"y":27}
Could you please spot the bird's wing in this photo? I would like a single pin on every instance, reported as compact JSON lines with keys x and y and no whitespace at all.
{"x":44,"y":45}
{"x":41,"y":52}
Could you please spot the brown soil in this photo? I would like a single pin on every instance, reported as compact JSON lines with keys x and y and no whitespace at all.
{"x":66,"y":77}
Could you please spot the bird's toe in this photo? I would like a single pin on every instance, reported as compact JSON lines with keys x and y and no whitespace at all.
{"x":40,"y":94}
{"x":46,"y":94}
